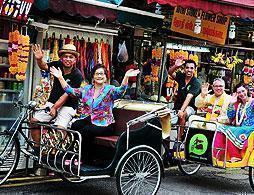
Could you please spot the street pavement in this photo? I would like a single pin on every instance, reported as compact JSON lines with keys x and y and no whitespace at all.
{"x":206,"y":181}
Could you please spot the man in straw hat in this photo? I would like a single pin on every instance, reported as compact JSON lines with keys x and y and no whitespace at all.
{"x":62,"y":107}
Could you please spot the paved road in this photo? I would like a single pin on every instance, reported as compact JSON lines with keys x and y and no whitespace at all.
{"x":206,"y":181}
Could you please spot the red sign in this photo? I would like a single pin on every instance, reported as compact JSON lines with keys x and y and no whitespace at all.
{"x":17,"y":9}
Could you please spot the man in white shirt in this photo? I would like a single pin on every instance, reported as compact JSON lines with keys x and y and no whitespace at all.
{"x":215,"y":106}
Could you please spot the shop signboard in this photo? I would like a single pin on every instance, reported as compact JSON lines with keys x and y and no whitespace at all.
{"x":214,"y":27}
{"x":198,"y":145}
{"x":17,"y":9}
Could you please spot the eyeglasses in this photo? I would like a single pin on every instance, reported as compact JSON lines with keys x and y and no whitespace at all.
{"x":99,"y":73}
{"x":217,"y":86}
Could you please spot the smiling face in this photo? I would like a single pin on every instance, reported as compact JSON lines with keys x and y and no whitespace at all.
{"x":189,"y":69}
{"x":69,"y":60}
{"x":99,"y":76}
{"x":242,"y":93}
{"x":218,"y":88}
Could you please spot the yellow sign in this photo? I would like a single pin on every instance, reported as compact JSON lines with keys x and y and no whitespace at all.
{"x":214,"y":27}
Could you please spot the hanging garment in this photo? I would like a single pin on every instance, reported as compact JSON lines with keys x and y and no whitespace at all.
{"x":60,"y":42}
{"x":77,"y":45}
{"x":89,"y":59}
{"x":99,"y":54}
{"x":67,"y":40}
{"x":52,"y":43}
{"x":109,"y":58}
{"x":55,"y":50}
{"x":104,"y":55}
{"x":95,"y":50}
{"x":45,"y":42}
{"x":82,"y":52}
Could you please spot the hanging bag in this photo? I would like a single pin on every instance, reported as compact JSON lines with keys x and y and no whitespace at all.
{"x":122,"y":55}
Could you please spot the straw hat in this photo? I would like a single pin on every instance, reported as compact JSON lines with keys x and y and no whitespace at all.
{"x":68,"y":48}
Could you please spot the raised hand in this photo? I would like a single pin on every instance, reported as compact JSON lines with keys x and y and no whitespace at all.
{"x":38,"y":53}
{"x":132,"y":73}
{"x":56,"y":72}
{"x":179,"y":62}
{"x":233,"y":98}
{"x":204,"y":89}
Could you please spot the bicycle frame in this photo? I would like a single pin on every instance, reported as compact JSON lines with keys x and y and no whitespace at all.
{"x":45,"y":147}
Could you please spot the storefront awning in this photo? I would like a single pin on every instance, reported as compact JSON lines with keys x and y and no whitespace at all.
{"x":241,"y":8}
{"x":76,"y":8}
{"x":102,"y":9}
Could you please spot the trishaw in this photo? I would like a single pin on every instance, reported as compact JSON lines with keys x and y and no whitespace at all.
{"x":132,"y":155}
{"x":198,"y":149}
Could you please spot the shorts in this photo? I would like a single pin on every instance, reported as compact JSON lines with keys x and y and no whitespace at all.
{"x":189,"y":111}
{"x":64,"y":115}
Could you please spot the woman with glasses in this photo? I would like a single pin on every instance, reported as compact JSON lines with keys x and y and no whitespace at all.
{"x":96,"y":117}
{"x":240,"y":113}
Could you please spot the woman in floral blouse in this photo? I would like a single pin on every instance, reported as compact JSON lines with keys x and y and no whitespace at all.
{"x":241,"y":115}
{"x":97,"y":102}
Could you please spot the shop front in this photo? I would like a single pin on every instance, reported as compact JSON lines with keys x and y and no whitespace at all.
{"x":14,"y":61}
{"x":215,"y":35}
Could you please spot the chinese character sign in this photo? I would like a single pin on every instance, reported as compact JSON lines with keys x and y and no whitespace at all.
{"x":213,"y":26}
{"x":18,"y":9}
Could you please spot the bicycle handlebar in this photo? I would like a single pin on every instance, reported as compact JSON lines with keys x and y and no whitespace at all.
{"x":31,"y":105}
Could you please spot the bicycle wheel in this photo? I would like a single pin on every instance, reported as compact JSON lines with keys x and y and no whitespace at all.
{"x":9,"y":155}
{"x":251,"y":177}
{"x":188,"y":168}
{"x":139,"y":172}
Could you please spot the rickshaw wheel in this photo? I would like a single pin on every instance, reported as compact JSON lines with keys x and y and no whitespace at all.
{"x":251,"y":177}
{"x":139,"y":172}
{"x":70,"y":178}
{"x":187,"y":167}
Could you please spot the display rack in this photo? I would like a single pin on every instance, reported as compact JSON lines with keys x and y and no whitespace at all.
{"x":9,"y":88}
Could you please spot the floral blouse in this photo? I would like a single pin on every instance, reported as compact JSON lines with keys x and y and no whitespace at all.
{"x":99,"y":109}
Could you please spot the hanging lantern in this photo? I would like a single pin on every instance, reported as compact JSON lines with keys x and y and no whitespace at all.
{"x":197,"y":27}
{"x":231,"y":33}
{"x":158,"y":8}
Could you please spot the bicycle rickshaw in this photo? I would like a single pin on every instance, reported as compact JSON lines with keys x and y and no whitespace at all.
{"x":133,"y":155}
{"x":198,"y":149}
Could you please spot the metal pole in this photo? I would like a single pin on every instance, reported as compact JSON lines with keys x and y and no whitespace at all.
{"x":163,"y":62}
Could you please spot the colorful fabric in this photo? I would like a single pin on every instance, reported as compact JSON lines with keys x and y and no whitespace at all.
{"x":89,"y":59}
{"x":82,"y":56}
{"x":99,"y":109}
{"x":238,"y":135}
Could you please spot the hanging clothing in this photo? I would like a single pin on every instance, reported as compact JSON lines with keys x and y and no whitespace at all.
{"x":99,"y":54}
{"x":89,"y":59}
{"x":60,"y":42}
{"x":67,"y":40}
{"x":55,"y":50}
{"x":95,"y":50}
{"x":82,"y":57}
{"x":104,"y":56}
